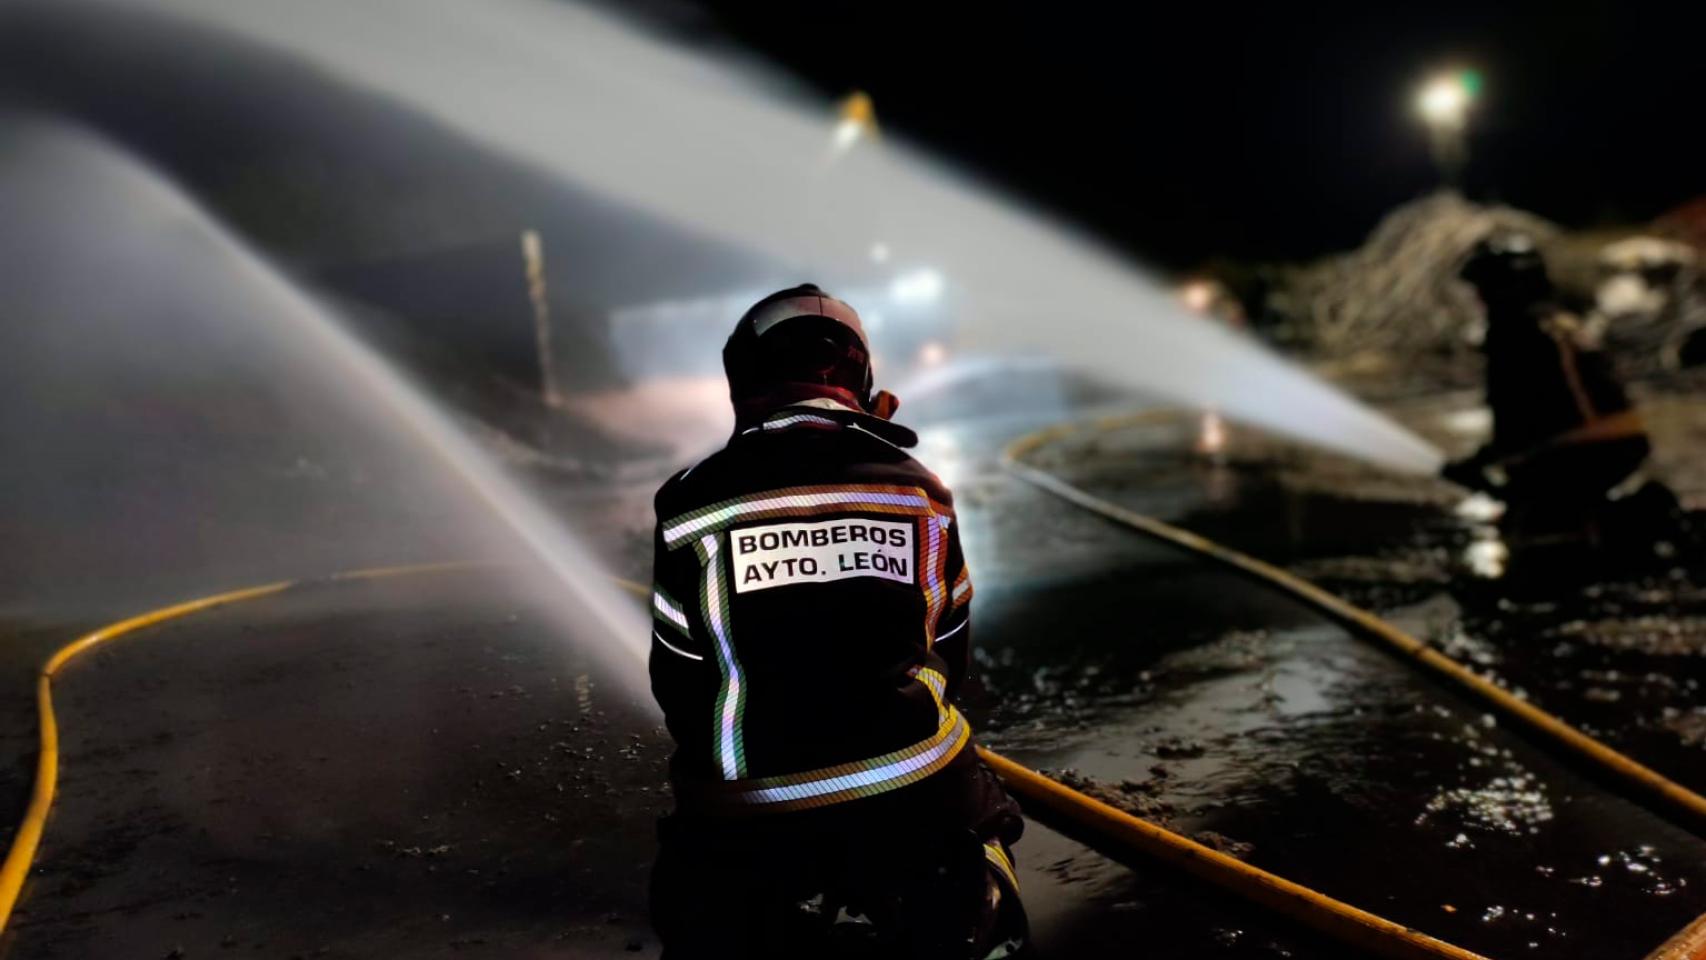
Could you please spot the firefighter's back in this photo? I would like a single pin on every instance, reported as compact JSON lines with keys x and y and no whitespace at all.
{"x":817,"y":560}
{"x":810,"y":633}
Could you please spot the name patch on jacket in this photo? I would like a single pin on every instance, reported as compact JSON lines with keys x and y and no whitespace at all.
{"x":786,"y":553}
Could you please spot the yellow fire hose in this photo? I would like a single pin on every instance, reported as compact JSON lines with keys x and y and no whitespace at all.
{"x":1690,"y":944}
{"x":1115,"y":827}
{"x":1338,"y":920}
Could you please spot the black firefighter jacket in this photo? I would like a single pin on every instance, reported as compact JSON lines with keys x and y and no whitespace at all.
{"x":1544,"y":385}
{"x":810,"y":616}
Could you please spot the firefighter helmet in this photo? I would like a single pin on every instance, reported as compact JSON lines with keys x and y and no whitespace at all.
{"x":1506,"y":266}
{"x":798,"y":336}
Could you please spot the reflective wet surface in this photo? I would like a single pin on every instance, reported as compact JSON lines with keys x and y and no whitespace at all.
{"x":1310,"y":753}
{"x":1148,"y":678}
{"x":402,"y":768}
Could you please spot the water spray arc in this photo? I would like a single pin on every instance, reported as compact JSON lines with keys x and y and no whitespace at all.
{"x":595,"y":613}
{"x":717,"y":152}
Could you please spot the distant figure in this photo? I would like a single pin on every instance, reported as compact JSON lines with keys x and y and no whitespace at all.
{"x":811,"y":632}
{"x":1646,"y":301}
{"x":1564,"y":432}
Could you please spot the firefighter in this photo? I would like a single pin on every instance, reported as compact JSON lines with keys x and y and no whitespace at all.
{"x":811,"y":632}
{"x":1565,"y":435}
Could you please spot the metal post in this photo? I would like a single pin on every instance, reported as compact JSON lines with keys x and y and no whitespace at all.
{"x":533,"y":254}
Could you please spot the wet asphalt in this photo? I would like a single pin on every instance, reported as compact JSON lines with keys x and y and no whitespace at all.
{"x":432,"y":769}
{"x":1344,"y":769}
{"x":419,"y":767}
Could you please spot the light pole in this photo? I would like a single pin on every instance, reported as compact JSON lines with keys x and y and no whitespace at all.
{"x":1443,"y":103}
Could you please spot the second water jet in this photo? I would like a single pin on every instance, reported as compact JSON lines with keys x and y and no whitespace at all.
{"x":723,"y":153}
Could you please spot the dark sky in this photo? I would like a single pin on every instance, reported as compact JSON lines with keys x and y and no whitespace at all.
{"x":1186,"y":131}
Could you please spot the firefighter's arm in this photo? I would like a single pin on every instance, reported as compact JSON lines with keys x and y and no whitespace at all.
{"x":953,"y":630}
{"x":1484,"y":470}
{"x":679,"y":640}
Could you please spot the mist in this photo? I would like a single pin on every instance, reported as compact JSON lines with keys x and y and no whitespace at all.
{"x":719,"y":151}
{"x":167,"y":382}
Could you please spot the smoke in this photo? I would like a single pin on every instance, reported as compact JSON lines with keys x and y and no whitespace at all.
{"x":179,"y":417}
{"x":720,"y":153}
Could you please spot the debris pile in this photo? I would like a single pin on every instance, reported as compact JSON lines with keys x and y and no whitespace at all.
{"x":1397,"y":300}
{"x":1399,"y":292}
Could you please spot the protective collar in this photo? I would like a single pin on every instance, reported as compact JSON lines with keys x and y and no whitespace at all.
{"x":839,"y":409}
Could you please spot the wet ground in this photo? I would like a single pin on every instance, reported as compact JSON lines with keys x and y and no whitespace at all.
{"x":414,"y":767}
{"x":1308,"y":745}
{"x":1611,"y":637}
{"x":399,"y":770}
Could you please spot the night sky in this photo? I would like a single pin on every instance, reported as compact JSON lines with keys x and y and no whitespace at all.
{"x":1197,"y":130}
